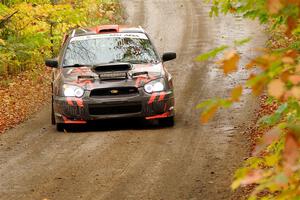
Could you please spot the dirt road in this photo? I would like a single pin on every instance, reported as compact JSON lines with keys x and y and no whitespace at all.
{"x":127,"y":159}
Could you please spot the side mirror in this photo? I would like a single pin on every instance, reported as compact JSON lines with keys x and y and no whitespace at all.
{"x":168,"y":56}
{"x":53,"y":63}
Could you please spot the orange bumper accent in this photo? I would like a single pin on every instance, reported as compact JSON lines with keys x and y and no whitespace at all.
{"x":67,"y":121}
{"x":79,"y":102}
{"x":162,"y":96}
{"x":70,"y":102}
{"x":164,"y":115}
{"x":152,"y":98}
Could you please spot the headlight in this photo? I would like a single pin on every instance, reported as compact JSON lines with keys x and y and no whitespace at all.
{"x":72,"y":91}
{"x":155,"y":86}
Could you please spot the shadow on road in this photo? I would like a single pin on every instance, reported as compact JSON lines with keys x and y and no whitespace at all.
{"x":115,"y":125}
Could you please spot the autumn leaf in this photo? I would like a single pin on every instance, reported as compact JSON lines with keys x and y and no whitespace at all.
{"x":252,"y":177}
{"x":268,"y":138}
{"x":208,"y":114}
{"x":295,"y":79}
{"x":292,"y":53}
{"x":290,"y":154}
{"x":291,"y":25}
{"x":249,"y":178}
{"x":250,"y":64}
{"x":274,"y":6}
{"x":276,"y":88}
{"x":257,"y":83}
{"x":265,"y":61}
{"x":284,"y":76}
{"x":230,"y":62}
{"x":295,"y":92}
{"x":297,"y":68}
{"x":236,"y":93}
{"x":288,"y":60}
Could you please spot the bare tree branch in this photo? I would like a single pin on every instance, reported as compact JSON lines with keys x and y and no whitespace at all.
{"x":7,"y":18}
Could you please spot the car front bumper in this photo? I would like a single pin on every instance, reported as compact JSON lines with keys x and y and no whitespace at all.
{"x":71,"y":110}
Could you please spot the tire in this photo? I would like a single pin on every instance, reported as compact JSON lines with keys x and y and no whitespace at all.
{"x":60,"y":127}
{"x":167,"y":122}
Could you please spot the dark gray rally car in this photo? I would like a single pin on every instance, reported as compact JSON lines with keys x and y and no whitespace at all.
{"x":110,"y":72}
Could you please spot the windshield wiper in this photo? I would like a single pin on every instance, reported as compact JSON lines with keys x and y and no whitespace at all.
{"x":76,"y":65}
{"x":130,"y":61}
{"x":154,"y":61}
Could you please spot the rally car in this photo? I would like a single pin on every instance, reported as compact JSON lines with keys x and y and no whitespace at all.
{"x":108,"y":72}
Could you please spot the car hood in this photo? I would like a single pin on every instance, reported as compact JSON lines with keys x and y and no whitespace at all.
{"x":89,"y":77}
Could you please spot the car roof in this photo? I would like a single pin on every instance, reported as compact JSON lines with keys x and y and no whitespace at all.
{"x":105,"y":29}
{"x":102,"y":29}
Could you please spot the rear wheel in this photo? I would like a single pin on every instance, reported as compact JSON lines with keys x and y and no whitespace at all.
{"x":168,"y":122}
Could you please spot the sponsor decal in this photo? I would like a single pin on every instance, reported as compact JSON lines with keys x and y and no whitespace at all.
{"x":111,"y":35}
{"x":114,"y":91}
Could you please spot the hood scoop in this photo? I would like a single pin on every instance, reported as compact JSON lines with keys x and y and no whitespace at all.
{"x":112,"y":67}
{"x":113,"y":71}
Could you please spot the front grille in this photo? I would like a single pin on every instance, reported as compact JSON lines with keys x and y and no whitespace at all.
{"x":114,"y":92}
{"x":114,"y":110}
{"x":113,"y":76}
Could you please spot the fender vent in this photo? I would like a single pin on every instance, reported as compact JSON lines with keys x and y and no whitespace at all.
{"x":108,"y":31}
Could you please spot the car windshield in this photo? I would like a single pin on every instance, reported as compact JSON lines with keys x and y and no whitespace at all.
{"x":99,"y":49}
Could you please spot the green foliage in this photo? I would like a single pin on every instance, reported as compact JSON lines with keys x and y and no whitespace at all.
{"x":242,"y":42}
{"x":211,"y":54}
{"x":33,"y":30}
{"x":273,"y":170}
{"x":273,"y":119}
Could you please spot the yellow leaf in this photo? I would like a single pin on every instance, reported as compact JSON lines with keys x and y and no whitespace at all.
{"x":207,"y":115}
{"x":236,"y":93}
{"x":230,"y":62}
{"x":2,"y":42}
{"x":276,"y":88}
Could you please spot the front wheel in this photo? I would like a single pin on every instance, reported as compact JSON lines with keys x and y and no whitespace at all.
{"x":60,"y":127}
{"x":168,"y":122}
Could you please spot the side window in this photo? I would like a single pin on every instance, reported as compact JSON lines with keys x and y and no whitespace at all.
{"x":62,"y":52}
